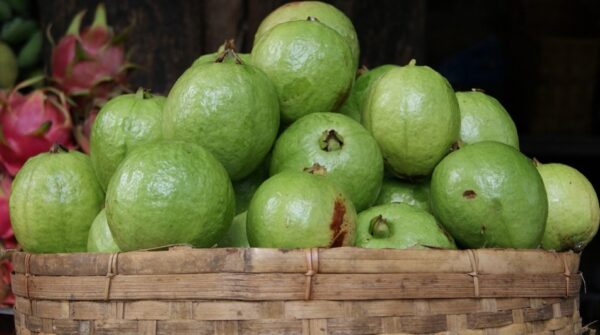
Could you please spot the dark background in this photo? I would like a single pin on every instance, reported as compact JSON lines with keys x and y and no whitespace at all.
{"x":540,"y":58}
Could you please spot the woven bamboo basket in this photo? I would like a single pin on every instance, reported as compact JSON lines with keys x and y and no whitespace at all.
{"x":315,"y":291}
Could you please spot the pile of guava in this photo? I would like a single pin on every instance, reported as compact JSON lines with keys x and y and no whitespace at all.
{"x":292,"y":145}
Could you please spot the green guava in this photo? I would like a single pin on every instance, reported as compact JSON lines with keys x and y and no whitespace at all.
{"x":169,"y":193}
{"x":413,"y":114}
{"x":236,"y":236}
{"x":415,"y":193}
{"x":100,"y":238}
{"x":8,"y":64}
{"x":353,"y":106}
{"x":573,"y":212}
{"x":230,"y":109}
{"x":245,"y":188}
{"x":300,"y":210}
{"x":488,"y":194}
{"x":484,"y":119}
{"x":325,"y":13}
{"x":310,"y":65}
{"x":54,"y":200}
{"x":212,"y":57}
{"x":400,"y":226}
{"x":124,"y":123}
{"x":342,"y":146}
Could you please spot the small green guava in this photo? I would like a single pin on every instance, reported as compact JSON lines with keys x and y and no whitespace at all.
{"x":400,"y":226}
{"x":573,"y":211}
{"x":353,"y":106}
{"x":236,"y":236}
{"x":412,"y":193}
{"x":100,"y":238}
{"x":483,"y":118}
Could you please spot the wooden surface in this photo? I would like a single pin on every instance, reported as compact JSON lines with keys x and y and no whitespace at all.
{"x":166,"y":36}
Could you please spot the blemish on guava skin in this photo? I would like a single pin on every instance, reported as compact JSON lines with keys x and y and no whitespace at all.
{"x":339,"y":211}
{"x":482,"y":231}
{"x":469,"y":194}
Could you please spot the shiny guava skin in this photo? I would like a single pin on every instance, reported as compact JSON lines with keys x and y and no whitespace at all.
{"x":310,"y":65}
{"x":230,"y":109}
{"x":414,"y":193}
{"x":408,"y":227}
{"x":488,"y":194}
{"x":300,"y":210}
{"x":483,"y":118}
{"x":236,"y":236}
{"x":573,"y":212}
{"x":413,"y":114}
{"x":169,"y":193}
{"x":352,"y":159}
{"x":352,"y":107}
{"x":325,"y":13}
{"x":212,"y":57}
{"x":124,"y":123}
{"x":100,"y":238}
{"x":54,"y":200}
{"x":245,"y":188}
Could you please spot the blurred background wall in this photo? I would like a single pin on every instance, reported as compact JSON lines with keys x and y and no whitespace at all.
{"x":540,"y":58}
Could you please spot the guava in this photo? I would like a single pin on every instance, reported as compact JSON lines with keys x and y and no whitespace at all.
{"x":310,"y":65}
{"x":54,"y":200}
{"x":414,"y":193}
{"x":483,"y":118}
{"x":300,"y":210}
{"x":400,"y":226}
{"x":325,"y":13}
{"x":236,"y":236}
{"x":100,"y":238}
{"x":169,"y":193}
{"x":212,"y":57}
{"x":413,"y":114}
{"x":488,"y":194}
{"x":231,"y":109}
{"x":124,"y":123}
{"x":573,"y":212}
{"x":245,"y":188}
{"x":353,"y":106}
{"x":342,"y":146}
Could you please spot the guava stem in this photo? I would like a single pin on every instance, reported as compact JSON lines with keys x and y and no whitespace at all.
{"x":412,"y":62}
{"x":58,"y":148}
{"x":331,"y":140}
{"x":316,"y":169}
{"x":457,"y":145}
{"x":362,"y":70}
{"x":477,"y":90}
{"x":229,"y":52}
{"x":312,"y":18}
{"x":379,"y":227}
{"x":536,"y":162}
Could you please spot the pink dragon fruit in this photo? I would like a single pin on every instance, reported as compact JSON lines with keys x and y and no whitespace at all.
{"x":90,"y":63}
{"x":83,"y":130}
{"x":30,"y":124}
{"x":5,"y":227}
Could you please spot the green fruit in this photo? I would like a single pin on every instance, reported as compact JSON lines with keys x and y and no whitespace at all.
{"x":324,"y":13}
{"x":245,"y":188}
{"x":415,"y":194}
{"x":100,"y":238}
{"x":413,"y":114}
{"x":488,"y":194}
{"x":18,"y":30}
{"x":310,"y":65}
{"x":300,"y":210}
{"x":484,"y":119}
{"x":123,"y":124}
{"x":55,"y":198}
{"x":345,"y":149}
{"x":573,"y":212}
{"x":353,"y":106}
{"x":230,"y":109}
{"x":400,"y":226}
{"x":169,"y":193}
{"x":211,"y":58}
{"x":31,"y":52}
{"x":8,"y":64}
{"x":236,"y":236}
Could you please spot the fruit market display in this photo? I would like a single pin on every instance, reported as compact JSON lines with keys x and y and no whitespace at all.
{"x":290,"y":146}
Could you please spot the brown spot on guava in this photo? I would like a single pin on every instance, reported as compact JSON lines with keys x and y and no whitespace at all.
{"x":482,"y":231}
{"x":469,"y":194}
{"x":337,"y":220}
